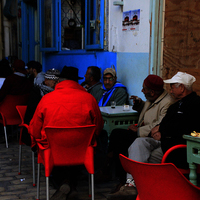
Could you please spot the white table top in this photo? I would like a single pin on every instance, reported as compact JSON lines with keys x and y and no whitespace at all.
{"x":118,"y":110}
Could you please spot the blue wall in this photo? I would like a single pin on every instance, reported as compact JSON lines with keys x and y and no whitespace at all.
{"x":81,"y":61}
{"x":132,"y":69}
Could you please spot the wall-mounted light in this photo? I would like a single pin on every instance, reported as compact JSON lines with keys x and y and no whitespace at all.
{"x":119,"y":3}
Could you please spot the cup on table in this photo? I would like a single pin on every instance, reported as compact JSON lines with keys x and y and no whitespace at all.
{"x":113,"y":104}
{"x":126,"y":107}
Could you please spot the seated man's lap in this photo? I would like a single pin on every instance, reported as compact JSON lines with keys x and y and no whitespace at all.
{"x":141,"y":149}
{"x":120,"y":140}
{"x":156,"y":155}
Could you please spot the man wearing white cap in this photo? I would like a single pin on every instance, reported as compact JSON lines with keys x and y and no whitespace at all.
{"x":181,"y":118}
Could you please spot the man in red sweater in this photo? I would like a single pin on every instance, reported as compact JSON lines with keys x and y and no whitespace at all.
{"x":68,"y":105}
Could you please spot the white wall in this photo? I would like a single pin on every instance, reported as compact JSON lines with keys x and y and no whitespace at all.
{"x":132,"y":47}
{"x":129,"y":41}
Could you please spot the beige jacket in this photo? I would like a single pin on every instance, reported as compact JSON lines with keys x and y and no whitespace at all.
{"x":152,"y":114}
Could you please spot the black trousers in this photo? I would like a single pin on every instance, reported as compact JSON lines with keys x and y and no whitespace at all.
{"x":66,"y":174}
{"x":120,"y":140}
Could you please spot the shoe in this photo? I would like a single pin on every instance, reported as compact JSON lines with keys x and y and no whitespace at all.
{"x":73,"y":195}
{"x":61,"y":193}
{"x":130,"y":182}
{"x":124,"y":193}
{"x":117,"y":188}
{"x":101,"y":177}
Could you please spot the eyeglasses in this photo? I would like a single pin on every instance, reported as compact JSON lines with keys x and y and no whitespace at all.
{"x":110,"y":79}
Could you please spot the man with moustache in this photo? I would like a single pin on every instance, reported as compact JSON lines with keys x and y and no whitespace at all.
{"x":113,"y":90}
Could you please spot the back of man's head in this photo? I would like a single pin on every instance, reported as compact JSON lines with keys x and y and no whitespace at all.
{"x":95,"y":73}
{"x":52,"y":74}
{"x":34,"y":65}
{"x":51,"y":77}
{"x":5,"y":69}
{"x":69,"y":73}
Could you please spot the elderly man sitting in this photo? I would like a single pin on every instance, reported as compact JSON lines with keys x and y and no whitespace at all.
{"x":181,"y":118}
{"x":151,"y":112}
{"x":38,"y":91}
{"x":113,"y":90}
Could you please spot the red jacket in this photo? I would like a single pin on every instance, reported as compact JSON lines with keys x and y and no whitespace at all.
{"x":68,"y":105}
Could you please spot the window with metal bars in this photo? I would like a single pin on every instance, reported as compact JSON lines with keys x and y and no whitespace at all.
{"x":71,"y":25}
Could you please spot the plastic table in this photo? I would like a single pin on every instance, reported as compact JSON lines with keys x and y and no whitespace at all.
{"x":193,"y":156}
{"x":118,"y":117}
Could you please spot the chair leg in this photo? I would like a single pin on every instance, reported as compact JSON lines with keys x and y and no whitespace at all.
{"x":33,"y":163}
{"x":20,"y":158}
{"x":6,"y":138}
{"x":92,"y":184}
{"x":47,"y":188}
{"x":89,"y":181}
{"x":38,"y":182}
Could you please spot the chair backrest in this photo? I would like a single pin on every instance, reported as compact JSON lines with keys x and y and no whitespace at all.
{"x":71,"y":145}
{"x":159,"y":181}
{"x":8,"y":109}
{"x":21,"y":110}
{"x":172,"y":151}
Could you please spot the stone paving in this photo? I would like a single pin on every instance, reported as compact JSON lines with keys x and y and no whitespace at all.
{"x":14,"y":186}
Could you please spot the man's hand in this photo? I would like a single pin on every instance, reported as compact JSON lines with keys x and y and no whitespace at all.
{"x":136,"y":99}
{"x":133,"y":127}
{"x":155,"y":134}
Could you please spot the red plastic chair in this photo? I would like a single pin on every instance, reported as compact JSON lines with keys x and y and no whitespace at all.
{"x":8,"y":111}
{"x":159,"y":181}
{"x":22,"y":110}
{"x":170,"y":151}
{"x":67,"y":146}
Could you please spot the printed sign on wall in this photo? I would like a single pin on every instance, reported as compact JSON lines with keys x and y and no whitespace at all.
{"x":131,"y":20}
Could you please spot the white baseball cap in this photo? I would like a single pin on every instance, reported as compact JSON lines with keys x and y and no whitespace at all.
{"x":182,"y":77}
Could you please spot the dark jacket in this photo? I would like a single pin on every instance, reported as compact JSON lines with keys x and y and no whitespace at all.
{"x":36,"y":94}
{"x":182,"y":118}
{"x":15,"y":85}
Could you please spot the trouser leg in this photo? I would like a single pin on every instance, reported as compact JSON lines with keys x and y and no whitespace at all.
{"x":69,"y":174}
{"x":120,"y":140}
{"x":156,"y":155}
{"x":140,"y":150}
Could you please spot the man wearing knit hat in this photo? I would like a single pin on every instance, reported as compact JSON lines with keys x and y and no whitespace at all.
{"x":38,"y":91}
{"x":181,"y":118}
{"x":150,"y":112}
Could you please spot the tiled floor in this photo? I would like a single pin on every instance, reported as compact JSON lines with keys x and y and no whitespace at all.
{"x":14,"y":186}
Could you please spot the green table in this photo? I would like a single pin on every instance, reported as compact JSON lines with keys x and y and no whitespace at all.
{"x":193,"y":156}
{"x":118,"y":117}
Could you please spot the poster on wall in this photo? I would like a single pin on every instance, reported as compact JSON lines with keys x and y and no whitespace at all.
{"x":125,"y":22}
{"x":131,"y":20}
